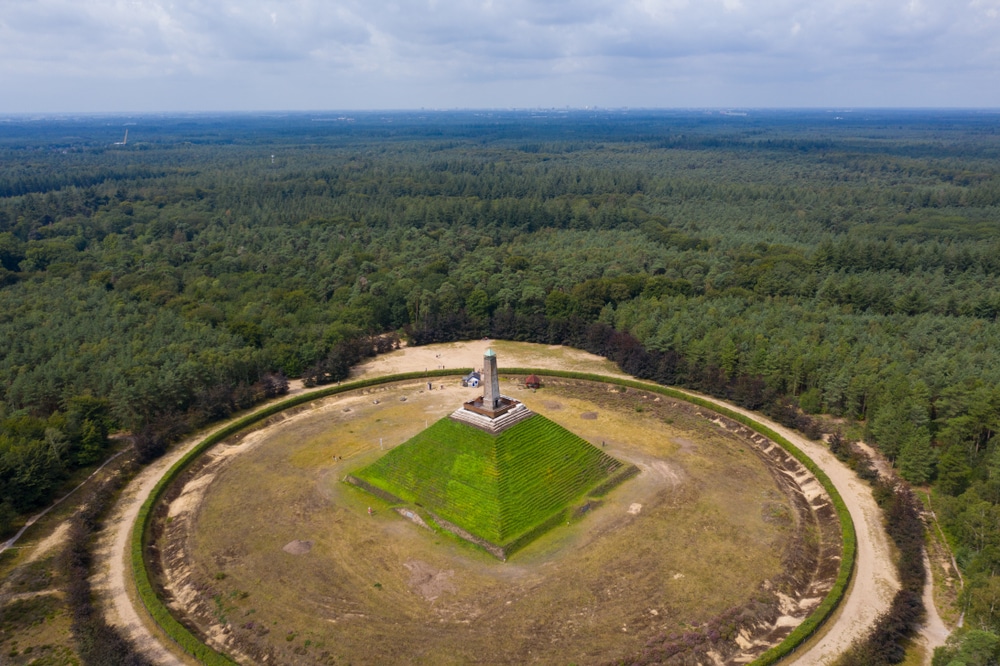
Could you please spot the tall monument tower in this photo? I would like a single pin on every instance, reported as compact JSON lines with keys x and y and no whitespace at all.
{"x":491,"y":411}
{"x":491,"y":381}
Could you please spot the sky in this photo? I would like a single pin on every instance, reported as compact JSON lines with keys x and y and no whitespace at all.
{"x":63,"y":56}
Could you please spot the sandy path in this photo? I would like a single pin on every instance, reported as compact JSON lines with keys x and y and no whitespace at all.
{"x":875,"y":579}
{"x":933,"y":632}
{"x":112,"y":583}
{"x":49,"y":543}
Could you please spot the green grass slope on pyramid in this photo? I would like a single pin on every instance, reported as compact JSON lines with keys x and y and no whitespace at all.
{"x":495,"y":486}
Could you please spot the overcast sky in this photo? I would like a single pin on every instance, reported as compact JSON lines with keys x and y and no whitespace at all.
{"x":211,"y":55}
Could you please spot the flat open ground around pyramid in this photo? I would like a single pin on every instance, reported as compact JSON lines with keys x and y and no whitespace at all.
{"x":271,"y":555}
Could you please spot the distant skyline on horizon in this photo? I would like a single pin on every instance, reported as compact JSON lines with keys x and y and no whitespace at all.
{"x":719,"y":110}
{"x":221,"y":56}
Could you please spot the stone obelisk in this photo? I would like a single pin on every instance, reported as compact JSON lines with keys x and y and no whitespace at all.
{"x":491,"y":412}
{"x":491,"y":381}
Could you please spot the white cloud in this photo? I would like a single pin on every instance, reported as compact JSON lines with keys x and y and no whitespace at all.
{"x":464,"y":51}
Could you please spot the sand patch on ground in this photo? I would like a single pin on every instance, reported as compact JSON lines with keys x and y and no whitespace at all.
{"x":191,"y":496}
{"x":661,"y":469}
{"x":470,"y":355}
{"x":298,"y":547}
{"x":429,"y":582}
{"x":589,"y":416}
{"x":49,"y":543}
{"x":687,"y":446}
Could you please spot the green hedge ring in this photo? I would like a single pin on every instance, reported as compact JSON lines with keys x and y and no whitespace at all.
{"x":193,"y":646}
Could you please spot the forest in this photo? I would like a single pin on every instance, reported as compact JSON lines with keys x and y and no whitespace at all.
{"x":823,"y":267}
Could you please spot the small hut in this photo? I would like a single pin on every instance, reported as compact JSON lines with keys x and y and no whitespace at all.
{"x":533,"y":382}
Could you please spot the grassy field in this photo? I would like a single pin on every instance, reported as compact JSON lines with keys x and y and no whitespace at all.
{"x":495,"y":486}
{"x":699,"y":531}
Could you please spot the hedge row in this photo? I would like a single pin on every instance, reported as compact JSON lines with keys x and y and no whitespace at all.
{"x":193,"y":646}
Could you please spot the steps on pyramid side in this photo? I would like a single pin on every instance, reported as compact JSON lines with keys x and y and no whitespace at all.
{"x":537,"y":481}
{"x":496,"y":482}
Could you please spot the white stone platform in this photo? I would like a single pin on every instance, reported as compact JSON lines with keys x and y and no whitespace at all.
{"x":493,"y":426}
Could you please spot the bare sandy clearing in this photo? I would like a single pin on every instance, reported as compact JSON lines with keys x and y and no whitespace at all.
{"x":431,"y":583}
{"x":470,"y":355}
{"x":298,"y":547}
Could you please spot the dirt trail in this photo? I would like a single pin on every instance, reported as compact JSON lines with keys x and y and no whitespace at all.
{"x":49,"y":543}
{"x":112,"y":582}
{"x":875,"y":579}
{"x":933,"y":632}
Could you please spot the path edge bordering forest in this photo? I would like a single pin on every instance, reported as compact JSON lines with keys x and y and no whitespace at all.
{"x":153,"y":479}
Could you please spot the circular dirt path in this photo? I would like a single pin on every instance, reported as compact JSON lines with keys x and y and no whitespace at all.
{"x":872,"y":589}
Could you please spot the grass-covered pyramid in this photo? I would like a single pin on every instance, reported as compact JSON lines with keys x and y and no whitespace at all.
{"x":502,"y":489}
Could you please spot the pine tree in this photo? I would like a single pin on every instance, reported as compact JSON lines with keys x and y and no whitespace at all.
{"x":916,"y":458}
{"x":953,"y":472}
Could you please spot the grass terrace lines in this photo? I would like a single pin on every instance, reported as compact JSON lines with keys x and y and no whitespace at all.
{"x":498,"y":488}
